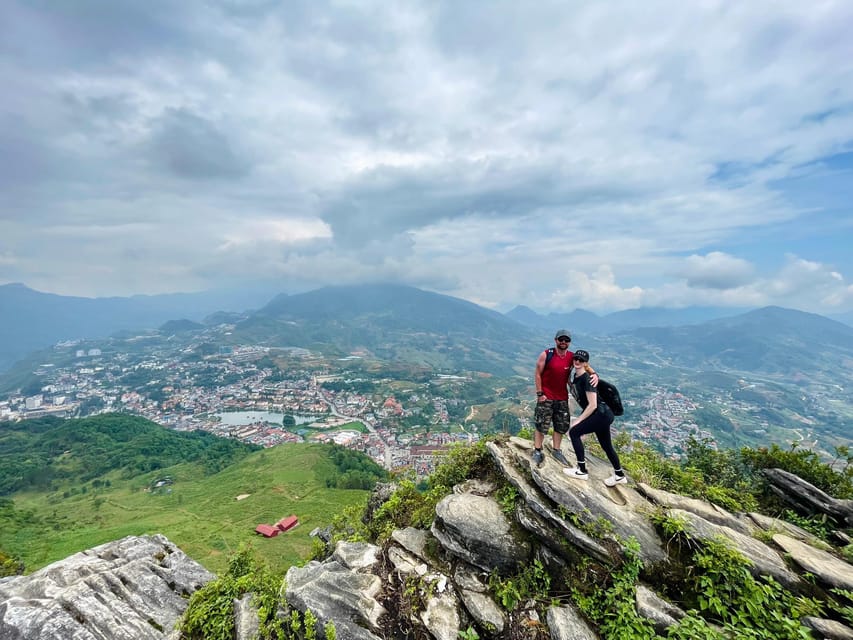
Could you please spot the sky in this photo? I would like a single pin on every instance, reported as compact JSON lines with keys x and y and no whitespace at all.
{"x":591,"y":155}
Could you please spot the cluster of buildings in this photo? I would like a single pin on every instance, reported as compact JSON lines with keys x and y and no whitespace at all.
{"x":667,"y":419}
{"x":36,"y":406}
{"x":180,"y":389}
{"x":194,"y":393}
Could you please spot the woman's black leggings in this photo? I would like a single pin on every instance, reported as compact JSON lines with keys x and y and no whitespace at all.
{"x":599,"y":424}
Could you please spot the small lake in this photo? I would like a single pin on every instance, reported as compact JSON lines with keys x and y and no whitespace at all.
{"x":237,"y":418}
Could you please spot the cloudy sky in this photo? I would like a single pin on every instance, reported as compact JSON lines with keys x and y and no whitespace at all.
{"x":604,"y":156}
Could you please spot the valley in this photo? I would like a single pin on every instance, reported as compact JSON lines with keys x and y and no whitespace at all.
{"x":403,"y":413}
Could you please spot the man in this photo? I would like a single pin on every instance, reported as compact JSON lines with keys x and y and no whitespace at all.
{"x":551,"y":378}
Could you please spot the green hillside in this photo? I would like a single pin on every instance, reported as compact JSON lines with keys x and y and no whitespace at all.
{"x":43,"y":453}
{"x":195,"y":508}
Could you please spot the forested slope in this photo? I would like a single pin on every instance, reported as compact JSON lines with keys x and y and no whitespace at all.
{"x":38,"y":454}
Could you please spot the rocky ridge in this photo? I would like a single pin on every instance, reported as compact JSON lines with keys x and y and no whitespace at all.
{"x":446,"y":570}
{"x":135,"y":588}
{"x":438,"y":582}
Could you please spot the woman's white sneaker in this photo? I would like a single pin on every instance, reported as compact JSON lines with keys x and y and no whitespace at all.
{"x":613,"y":480}
{"x":576,"y":473}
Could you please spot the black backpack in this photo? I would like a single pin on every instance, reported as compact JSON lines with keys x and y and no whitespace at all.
{"x":607,"y":392}
{"x":609,"y":395}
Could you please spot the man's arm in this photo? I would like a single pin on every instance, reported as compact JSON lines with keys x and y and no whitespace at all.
{"x":537,"y":376}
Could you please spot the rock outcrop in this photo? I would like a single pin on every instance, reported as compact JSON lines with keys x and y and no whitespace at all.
{"x":135,"y":588}
{"x":338,"y":593}
{"x":436,"y":581}
{"x":473,"y":528}
{"x":450,"y":580}
{"x":807,"y":498}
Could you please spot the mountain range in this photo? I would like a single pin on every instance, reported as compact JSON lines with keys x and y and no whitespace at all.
{"x":771,"y":340}
{"x":34,"y":320}
{"x":392,"y":322}
{"x":588,"y":322}
{"x":395,"y":322}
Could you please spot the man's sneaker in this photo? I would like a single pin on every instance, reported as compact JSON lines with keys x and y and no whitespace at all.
{"x":559,"y":457}
{"x":576,"y":473}
{"x":613,"y":480}
{"x":538,"y":456}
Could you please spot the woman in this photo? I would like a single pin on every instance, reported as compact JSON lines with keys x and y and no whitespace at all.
{"x":596,"y":418}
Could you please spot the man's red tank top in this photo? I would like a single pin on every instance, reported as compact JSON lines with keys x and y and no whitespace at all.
{"x":555,"y":376}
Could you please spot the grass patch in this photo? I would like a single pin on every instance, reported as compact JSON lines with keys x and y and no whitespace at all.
{"x":200,"y":514}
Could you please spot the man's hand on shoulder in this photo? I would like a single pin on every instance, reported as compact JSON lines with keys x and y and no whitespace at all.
{"x":593,"y":378}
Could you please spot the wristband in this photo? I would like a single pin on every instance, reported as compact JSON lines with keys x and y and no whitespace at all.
{"x":539,"y":394}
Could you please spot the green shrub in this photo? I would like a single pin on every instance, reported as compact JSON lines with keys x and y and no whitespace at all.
{"x":10,"y":566}
{"x":817,"y":525}
{"x":410,"y":507}
{"x":348,"y":525}
{"x":845,"y":609}
{"x":644,"y":464}
{"x":507,"y":497}
{"x":329,"y":629}
{"x":407,"y":507}
{"x":210,"y":613}
{"x":462,"y":462}
{"x":721,"y":587}
{"x":613,"y":607}
{"x":693,"y":627}
{"x":533,"y":582}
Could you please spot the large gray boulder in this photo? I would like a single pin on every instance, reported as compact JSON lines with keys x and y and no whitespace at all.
{"x":537,"y":516}
{"x":566,"y":623}
{"x":591,"y":502}
{"x":441,"y":617}
{"x":828,"y":629}
{"x":406,"y":563}
{"x":135,"y":588}
{"x":247,"y":623}
{"x":659,"y":612}
{"x":338,"y":594}
{"x":807,"y":498}
{"x":484,"y":610}
{"x":356,"y":555}
{"x":473,"y":528}
{"x":412,"y":540}
{"x":763,"y":560}
{"x":830,"y":570}
{"x":708,"y":511}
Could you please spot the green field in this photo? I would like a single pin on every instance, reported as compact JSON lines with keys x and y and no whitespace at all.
{"x":200,"y":514}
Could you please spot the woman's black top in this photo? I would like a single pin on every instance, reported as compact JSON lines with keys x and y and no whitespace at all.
{"x":580,"y":385}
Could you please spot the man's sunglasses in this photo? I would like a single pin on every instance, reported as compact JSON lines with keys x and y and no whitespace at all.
{"x":564,"y":339}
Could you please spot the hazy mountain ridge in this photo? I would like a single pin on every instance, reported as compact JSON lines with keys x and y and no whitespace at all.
{"x":588,"y":322}
{"x":397,"y":322}
{"x":35,"y":320}
{"x":398,"y":306}
{"x":393,"y":322}
{"x":772,"y":340}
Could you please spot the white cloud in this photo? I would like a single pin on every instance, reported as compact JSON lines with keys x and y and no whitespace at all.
{"x":808,"y":284}
{"x":545,"y":154}
{"x":716,"y":270}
